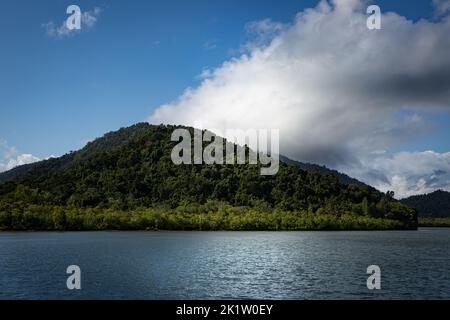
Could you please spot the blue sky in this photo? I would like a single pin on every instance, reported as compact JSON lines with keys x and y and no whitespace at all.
{"x":58,"y":93}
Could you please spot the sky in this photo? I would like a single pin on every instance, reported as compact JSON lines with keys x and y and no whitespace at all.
{"x":374,"y":104}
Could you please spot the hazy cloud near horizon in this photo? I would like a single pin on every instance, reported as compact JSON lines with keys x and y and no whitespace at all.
{"x":407,"y":173}
{"x":10,"y":157}
{"x":339,"y":92}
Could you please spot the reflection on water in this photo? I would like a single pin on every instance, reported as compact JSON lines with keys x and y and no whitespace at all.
{"x":226,"y":265}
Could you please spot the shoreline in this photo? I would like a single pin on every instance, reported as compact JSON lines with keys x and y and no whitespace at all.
{"x":434,"y":222}
{"x":231,"y":231}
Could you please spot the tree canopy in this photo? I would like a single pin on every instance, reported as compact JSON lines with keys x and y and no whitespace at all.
{"x":131,"y":170}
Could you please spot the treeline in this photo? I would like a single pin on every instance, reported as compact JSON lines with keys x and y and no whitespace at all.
{"x":212,"y":216}
{"x":130,"y":171}
{"x":434,"y":222}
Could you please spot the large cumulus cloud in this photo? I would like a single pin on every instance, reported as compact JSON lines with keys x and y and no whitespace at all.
{"x":336,"y":90}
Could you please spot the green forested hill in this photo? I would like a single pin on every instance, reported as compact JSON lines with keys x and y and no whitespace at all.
{"x":432,"y":205}
{"x":108,"y":142}
{"x":126,"y":180}
{"x":310,"y":167}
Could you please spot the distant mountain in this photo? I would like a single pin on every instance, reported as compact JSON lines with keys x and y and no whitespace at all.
{"x":433,"y":205}
{"x":131,"y":169}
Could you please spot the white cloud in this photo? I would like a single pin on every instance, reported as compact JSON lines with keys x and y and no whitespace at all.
{"x":211,"y":44}
{"x":88,"y":20}
{"x":10,"y":157}
{"x":20,"y":160}
{"x":336,"y":90}
{"x":262,"y":32}
{"x":405,"y":173}
{"x":441,"y":7}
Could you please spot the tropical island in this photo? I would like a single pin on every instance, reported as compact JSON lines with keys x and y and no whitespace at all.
{"x":126,"y":180}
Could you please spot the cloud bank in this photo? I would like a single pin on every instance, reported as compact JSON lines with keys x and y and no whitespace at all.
{"x":337,"y":91}
{"x":406,"y":173}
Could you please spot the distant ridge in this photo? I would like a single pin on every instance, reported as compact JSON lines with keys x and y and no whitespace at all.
{"x":432,"y":205}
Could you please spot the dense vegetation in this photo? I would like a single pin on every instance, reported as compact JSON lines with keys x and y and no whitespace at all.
{"x":311,"y":167}
{"x":434,"y":222}
{"x":433,"y":205}
{"x":126,"y":180}
{"x":212,"y":215}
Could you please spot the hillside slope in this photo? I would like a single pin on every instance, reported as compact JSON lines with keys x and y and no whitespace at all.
{"x":115,"y":139}
{"x":109,"y":141}
{"x":310,"y":167}
{"x":131,"y":169}
{"x":432,"y":205}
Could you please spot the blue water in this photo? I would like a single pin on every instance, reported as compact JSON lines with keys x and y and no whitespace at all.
{"x":226,"y":265}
